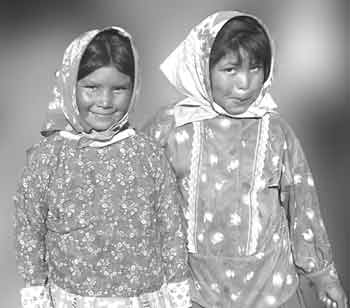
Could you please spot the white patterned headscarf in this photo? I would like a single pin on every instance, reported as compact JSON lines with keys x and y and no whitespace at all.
{"x":187,"y":68}
{"x":63,"y":114}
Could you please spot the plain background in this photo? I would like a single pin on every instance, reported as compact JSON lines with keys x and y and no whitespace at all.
{"x":311,"y":87}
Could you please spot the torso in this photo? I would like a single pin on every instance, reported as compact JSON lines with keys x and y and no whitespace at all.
{"x":102,"y":237}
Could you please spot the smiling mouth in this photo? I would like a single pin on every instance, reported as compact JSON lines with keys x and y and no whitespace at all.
{"x":101,"y":114}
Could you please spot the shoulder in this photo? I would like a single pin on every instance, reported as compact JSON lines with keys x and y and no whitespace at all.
{"x":160,"y":126}
{"x":45,"y":150}
{"x":147,"y":145}
{"x":279,"y":126}
{"x":150,"y":152}
{"x":144,"y":140}
{"x":165,"y":114}
{"x":282,"y":130}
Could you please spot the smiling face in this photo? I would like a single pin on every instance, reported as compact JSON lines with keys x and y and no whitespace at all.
{"x":236,"y":82}
{"x":103,"y":98}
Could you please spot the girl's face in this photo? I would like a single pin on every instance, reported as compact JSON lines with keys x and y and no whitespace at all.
{"x":103,"y":97}
{"x":235,"y":82}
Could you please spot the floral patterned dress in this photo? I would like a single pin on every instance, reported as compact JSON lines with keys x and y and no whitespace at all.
{"x":99,"y":222}
{"x":99,"y":219}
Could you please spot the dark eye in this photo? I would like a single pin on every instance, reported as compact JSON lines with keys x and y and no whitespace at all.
{"x":230,"y":70}
{"x":120,"y":89}
{"x":90,"y":87}
{"x":255,"y":67}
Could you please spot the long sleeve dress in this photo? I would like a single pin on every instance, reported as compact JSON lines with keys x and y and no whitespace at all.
{"x":100,"y":222}
{"x":254,"y":221}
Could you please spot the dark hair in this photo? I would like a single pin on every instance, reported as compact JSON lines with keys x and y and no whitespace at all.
{"x":108,"y":48}
{"x":243,"y":32}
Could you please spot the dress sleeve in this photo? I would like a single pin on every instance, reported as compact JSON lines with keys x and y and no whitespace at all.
{"x":30,"y":227}
{"x":310,"y":245}
{"x":161,"y":125}
{"x":35,"y":297}
{"x":172,"y":231}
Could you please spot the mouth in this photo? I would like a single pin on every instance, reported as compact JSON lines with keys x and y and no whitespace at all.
{"x":107,"y":117}
{"x":104,"y":113}
{"x":240,"y":101}
{"x":98,"y":116}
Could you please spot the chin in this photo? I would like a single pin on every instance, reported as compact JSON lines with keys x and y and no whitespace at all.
{"x":100,"y":126}
{"x":101,"y":123}
{"x":236,"y":110}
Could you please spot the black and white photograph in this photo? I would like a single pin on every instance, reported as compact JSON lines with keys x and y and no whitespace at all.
{"x":175,"y":154}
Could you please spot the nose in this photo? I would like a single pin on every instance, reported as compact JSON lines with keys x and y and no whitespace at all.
{"x":242,"y":80}
{"x":105,"y":99}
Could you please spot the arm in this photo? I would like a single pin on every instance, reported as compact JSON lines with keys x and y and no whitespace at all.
{"x":310,"y":245}
{"x":161,"y":125}
{"x":172,"y":231}
{"x":30,"y":229}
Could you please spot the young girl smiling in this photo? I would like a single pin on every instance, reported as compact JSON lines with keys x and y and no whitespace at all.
{"x":98,"y":214}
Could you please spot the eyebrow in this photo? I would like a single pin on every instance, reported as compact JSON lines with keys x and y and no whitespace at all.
{"x":94,"y":82}
{"x":230,"y":62}
{"x":252,"y":61}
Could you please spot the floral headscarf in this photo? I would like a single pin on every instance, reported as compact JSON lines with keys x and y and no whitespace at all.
{"x":63,"y":114}
{"x":187,"y":68}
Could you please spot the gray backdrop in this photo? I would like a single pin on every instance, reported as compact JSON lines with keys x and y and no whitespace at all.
{"x":311,"y":87}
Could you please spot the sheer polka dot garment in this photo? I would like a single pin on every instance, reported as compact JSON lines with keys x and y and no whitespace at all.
{"x":253,"y":216}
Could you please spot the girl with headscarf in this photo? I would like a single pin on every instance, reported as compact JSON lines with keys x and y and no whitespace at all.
{"x":98,"y":213}
{"x":254,"y":223}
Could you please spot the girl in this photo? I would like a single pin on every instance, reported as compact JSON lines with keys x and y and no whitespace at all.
{"x":98,"y":218}
{"x":254,"y":222}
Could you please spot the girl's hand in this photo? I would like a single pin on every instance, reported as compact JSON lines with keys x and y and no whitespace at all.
{"x":333,"y":296}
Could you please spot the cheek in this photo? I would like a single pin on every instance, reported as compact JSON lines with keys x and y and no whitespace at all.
{"x":84,"y":101}
{"x":221,"y":85}
{"x":257,"y":83}
{"x":122,"y":103}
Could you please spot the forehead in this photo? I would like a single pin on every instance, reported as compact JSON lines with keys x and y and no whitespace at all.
{"x":237,"y":57}
{"x":106,"y":75}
